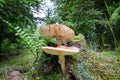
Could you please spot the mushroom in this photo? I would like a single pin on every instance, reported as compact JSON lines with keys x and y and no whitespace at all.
{"x":61,"y":52}
{"x":63,"y":34}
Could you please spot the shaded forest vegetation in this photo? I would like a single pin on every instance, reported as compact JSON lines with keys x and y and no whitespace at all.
{"x":97,"y":20}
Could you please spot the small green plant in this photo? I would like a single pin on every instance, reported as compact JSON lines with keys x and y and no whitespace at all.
{"x":33,"y":39}
{"x":114,"y":18}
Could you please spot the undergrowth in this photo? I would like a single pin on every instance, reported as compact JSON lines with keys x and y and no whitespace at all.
{"x":21,"y":62}
{"x":100,"y":65}
{"x":104,"y":65}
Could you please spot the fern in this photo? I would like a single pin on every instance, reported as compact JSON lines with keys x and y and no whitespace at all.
{"x":33,"y":39}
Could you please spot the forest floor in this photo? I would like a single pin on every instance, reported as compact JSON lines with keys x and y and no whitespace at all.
{"x":21,"y":62}
{"x":102,"y":65}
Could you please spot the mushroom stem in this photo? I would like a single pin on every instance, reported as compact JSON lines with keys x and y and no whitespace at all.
{"x":62,"y":63}
{"x":59,"y":42}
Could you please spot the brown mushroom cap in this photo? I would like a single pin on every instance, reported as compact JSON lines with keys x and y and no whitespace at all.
{"x":61,"y":50}
{"x":61,"y":32}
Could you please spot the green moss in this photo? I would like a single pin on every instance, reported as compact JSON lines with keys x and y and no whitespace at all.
{"x":104,"y":65}
{"x":110,"y":54}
